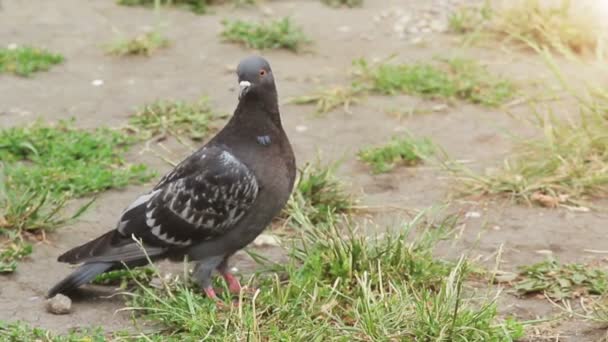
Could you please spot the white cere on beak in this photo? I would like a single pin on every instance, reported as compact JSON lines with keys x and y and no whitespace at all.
{"x":243,"y":85}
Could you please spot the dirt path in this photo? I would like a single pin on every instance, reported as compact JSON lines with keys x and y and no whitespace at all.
{"x":198,"y":64}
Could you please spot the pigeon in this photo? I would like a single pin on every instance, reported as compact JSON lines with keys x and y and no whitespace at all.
{"x":212,"y":204}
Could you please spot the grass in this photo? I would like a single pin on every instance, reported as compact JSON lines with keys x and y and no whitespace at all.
{"x":177,"y":118}
{"x":340,"y":286}
{"x":561,"y":282}
{"x":25,"y":60}
{"x":469,"y":19}
{"x":404,"y":150}
{"x":196,"y":6}
{"x":454,"y":78}
{"x":319,"y":195}
{"x":142,"y":45}
{"x":564,"y":165}
{"x":329,"y":99}
{"x":46,"y":166}
{"x":19,"y":332}
{"x":343,"y":3}
{"x":561,"y":25}
{"x":447,"y":79}
{"x":276,"y":34}
{"x":123,"y":278}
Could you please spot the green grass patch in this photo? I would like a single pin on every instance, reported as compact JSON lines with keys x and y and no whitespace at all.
{"x":343,"y":3}
{"x":455,"y":78}
{"x":196,"y":6}
{"x":142,"y":45}
{"x":46,"y":166}
{"x":560,"y":282}
{"x":406,"y":150}
{"x":319,"y":195}
{"x":276,"y":34}
{"x":446,"y":79}
{"x":25,"y":60}
{"x":124,"y":278}
{"x":341,"y":286}
{"x":20,"y":332}
{"x":177,"y":118}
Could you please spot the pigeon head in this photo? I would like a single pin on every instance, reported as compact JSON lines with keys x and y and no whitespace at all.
{"x":255,"y":77}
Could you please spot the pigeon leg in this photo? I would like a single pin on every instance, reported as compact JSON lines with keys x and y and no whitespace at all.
{"x":233,"y":282}
{"x":202,"y":275}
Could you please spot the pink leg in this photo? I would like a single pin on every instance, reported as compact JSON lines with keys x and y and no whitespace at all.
{"x":233,"y":283}
{"x":210,"y":292}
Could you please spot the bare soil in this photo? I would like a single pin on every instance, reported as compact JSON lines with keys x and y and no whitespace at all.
{"x":198,"y":63}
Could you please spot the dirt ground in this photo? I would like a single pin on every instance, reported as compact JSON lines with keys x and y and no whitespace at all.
{"x":198,"y":63}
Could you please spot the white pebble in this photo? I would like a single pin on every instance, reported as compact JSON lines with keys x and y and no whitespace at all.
{"x":266,"y":240}
{"x":472,"y":214}
{"x":11,"y":46}
{"x":301,"y":128}
{"x":97,"y":83}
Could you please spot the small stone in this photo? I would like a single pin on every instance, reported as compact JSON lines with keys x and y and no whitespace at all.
{"x":439,"y":107}
{"x":97,"y":83}
{"x":405,"y":19}
{"x":12,"y":46}
{"x":544,"y":252}
{"x":267,"y":11}
{"x":301,"y":128}
{"x":437,"y":26}
{"x":267,"y":240}
{"x":344,"y":29}
{"x":472,"y":214}
{"x":505,"y":277}
{"x":416,"y":40}
{"x":59,"y":305}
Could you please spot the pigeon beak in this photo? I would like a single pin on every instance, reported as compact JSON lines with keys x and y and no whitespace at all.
{"x":244,"y":87}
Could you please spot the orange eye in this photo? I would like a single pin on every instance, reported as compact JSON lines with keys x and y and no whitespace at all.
{"x":262,"y":72}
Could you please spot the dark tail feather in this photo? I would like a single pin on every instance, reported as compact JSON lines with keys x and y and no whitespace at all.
{"x":82,"y":275}
{"x":90,"y":249}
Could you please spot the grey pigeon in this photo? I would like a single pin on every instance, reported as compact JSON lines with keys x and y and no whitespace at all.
{"x":214,"y":203}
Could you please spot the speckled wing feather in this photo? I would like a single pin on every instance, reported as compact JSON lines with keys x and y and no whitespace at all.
{"x":203,"y":197}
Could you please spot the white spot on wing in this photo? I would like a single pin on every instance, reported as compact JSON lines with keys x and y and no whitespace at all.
{"x":228,"y":159}
{"x":142,"y":199}
{"x":164,"y":237}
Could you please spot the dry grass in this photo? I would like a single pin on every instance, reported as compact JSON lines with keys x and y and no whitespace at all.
{"x":569,"y":27}
{"x":565,"y":165}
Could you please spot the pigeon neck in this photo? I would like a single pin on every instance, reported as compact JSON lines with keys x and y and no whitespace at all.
{"x":253,"y":107}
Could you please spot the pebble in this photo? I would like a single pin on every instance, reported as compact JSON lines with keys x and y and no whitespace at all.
{"x":472,"y":214}
{"x":12,"y":46}
{"x":59,"y":305}
{"x":505,"y":277}
{"x":97,"y":83}
{"x":266,"y":240}
{"x":301,"y":128}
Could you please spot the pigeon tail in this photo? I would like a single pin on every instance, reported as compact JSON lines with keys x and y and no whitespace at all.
{"x":90,"y":249}
{"x":82,"y":275}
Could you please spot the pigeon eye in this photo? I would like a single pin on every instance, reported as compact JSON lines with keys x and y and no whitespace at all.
{"x":262,"y":72}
